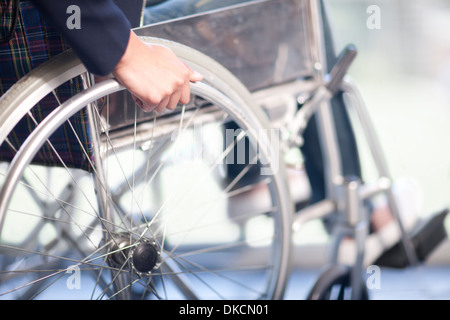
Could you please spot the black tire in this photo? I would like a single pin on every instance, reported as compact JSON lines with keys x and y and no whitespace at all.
{"x":334,"y":283}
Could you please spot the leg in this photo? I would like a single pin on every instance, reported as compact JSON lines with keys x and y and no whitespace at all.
{"x":311,"y":149}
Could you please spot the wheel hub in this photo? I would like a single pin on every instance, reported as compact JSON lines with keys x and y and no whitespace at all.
{"x":119,"y":251}
{"x":142,"y":255}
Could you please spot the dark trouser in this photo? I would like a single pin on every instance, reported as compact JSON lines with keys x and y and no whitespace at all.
{"x":311,"y":150}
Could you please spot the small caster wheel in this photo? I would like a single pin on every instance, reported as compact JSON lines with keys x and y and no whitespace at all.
{"x":334,"y":284}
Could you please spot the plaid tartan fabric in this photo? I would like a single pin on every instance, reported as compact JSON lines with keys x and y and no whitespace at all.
{"x":35,"y":41}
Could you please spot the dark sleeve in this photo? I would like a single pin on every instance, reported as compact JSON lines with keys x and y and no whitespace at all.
{"x":103,"y":33}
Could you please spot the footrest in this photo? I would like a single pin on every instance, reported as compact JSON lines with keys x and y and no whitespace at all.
{"x":425,"y":238}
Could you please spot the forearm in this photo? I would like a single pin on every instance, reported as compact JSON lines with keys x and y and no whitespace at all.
{"x":103,"y":33}
{"x":105,"y":43}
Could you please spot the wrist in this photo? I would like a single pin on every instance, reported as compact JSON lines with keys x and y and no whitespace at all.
{"x":126,"y":58}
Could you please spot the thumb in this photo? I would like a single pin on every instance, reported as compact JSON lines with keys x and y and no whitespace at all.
{"x":195,"y":76}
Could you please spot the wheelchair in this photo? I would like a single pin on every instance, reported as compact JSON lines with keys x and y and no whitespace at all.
{"x":143,"y":205}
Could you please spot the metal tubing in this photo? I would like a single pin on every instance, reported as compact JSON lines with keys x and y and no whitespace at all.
{"x":380,"y":162}
{"x":324,"y":116}
{"x":358,"y":222}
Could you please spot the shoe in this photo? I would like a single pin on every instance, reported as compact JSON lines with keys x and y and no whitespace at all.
{"x":425,"y":238}
{"x":408,"y":197}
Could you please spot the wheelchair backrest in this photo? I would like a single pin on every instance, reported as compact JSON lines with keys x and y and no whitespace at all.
{"x":263,"y":43}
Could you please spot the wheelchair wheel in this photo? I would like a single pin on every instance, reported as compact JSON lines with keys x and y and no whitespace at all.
{"x":102,"y":201}
{"x":335,"y":284}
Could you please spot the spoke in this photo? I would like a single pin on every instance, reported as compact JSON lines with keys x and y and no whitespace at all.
{"x":168,"y":141}
{"x":200,"y":181}
{"x":220,"y":222}
{"x":128,"y":203}
{"x":103,"y":185}
{"x":219,"y":273}
{"x":31,"y":283}
{"x":48,"y":255}
{"x":99,"y":278}
{"x":76,"y":184}
{"x":87,"y":261}
{"x":221,"y":247}
{"x":133,"y":171}
{"x":215,"y":270}
{"x":42,"y":193}
{"x":110,"y":144}
{"x":123,"y":289}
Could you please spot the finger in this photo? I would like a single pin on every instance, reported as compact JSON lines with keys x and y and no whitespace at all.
{"x":185,"y":94}
{"x":162,"y":105}
{"x":194,"y":76}
{"x":138,"y":102}
{"x":173,"y":101}
{"x":146,"y":107}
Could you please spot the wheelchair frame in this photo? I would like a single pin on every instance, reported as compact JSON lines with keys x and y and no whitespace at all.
{"x":287,"y":81}
{"x":344,"y":194}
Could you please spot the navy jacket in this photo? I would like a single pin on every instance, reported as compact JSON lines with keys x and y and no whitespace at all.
{"x":103,"y":33}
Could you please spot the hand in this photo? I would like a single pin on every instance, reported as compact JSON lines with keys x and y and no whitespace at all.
{"x":154,"y":75}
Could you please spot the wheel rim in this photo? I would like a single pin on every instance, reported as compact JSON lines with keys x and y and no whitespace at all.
{"x":133,"y":240}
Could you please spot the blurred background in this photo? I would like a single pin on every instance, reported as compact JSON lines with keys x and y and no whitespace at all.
{"x":403,"y":72}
